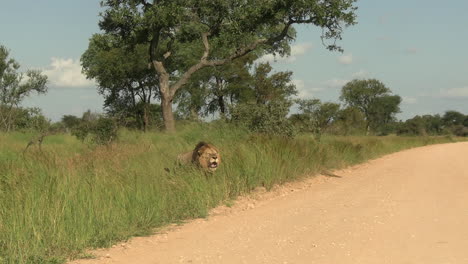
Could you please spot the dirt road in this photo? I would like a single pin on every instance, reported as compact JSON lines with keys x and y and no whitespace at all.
{"x":408,"y":207}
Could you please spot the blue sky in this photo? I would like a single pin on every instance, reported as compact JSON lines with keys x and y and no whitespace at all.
{"x":415,"y":47}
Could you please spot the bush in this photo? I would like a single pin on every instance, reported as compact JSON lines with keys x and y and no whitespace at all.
{"x":460,"y":131}
{"x":24,"y":119}
{"x":102,"y":131}
{"x":269,"y":119}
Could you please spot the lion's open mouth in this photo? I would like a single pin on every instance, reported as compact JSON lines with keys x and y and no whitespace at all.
{"x":214,"y":165}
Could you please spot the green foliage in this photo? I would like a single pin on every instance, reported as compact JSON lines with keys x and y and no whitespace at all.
{"x":269,"y":119}
{"x":183,"y":37}
{"x":230,"y":84}
{"x":374,"y":100}
{"x":70,"y":121}
{"x":69,"y":197}
{"x":104,"y":131}
{"x":452,"y":122}
{"x":350,"y":121}
{"x":421,"y":126}
{"x":81,"y":131}
{"x":25,"y":119}
{"x":128,"y":85}
{"x":275,"y":87}
{"x":465,"y":121}
{"x":14,"y":87}
{"x":317,"y":116}
{"x":100,"y":129}
{"x":382,"y":113}
{"x":453,"y":118}
{"x":460,"y":130}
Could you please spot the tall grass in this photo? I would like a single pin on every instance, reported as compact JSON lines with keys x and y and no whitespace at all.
{"x":72,"y":196}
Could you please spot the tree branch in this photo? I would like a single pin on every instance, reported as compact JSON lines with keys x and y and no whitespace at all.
{"x":204,"y":62}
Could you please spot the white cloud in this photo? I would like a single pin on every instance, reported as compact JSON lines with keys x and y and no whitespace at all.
{"x":300,"y":49}
{"x":336,"y":83}
{"x":409,"y":100}
{"x":66,"y":73}
{"x":454,"y":93}
{"x":346,"y":59}
{"x":361,"y":74}
{"x":296,"y":50}
{"x":304,"y":91}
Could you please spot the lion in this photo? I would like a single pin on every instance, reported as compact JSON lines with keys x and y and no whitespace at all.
{"x":205,"y":155}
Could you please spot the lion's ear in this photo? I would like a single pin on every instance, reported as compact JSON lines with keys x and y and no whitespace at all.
{"x":199,"y":153}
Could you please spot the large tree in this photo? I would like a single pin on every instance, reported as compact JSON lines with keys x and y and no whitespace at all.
{"x":185,"y":36}
{"x":230,"y":84}
{"x":15,"y":86}
{"x":373,"y":99}
{"x":453,"y":118}
{"x":129,"y":87}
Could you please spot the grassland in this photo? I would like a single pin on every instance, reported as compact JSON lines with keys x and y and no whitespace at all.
{"x":72,"y":195}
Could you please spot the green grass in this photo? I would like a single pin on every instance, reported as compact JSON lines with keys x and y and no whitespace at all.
{"x":72,"y":196}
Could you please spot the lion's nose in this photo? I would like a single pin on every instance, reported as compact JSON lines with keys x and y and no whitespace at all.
{"x":215,"y":157}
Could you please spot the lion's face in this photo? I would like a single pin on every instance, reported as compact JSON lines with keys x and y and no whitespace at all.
{"x":209,"y":157}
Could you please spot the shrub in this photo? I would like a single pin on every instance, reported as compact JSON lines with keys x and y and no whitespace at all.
{"x":102,"y":131}
{"x":460,"y":131}
{"x":267,"y":118}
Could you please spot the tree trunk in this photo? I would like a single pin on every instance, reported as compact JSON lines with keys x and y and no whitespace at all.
{"x":168,"y":115}
{"x":145,"y":118}
{"x":222,"y":106}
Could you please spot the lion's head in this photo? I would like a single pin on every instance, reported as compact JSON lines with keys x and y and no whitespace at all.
{"x":206,"y":156}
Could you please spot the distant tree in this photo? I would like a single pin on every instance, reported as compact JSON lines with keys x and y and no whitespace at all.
{"x":192,"y":99}
{"x":350,"y":120}
{"x":382,"y":113}
{"x":374,"y":99}
{"x":263,"y":105}
{"x":186,"y":36}
{"x":275,"y":87}
{"x":89,"y":116}
{"x":15,"y":86}
{"x":318,"y":116}
{"x":269,"y":119}
{"x":434,"y":125}
{"x":421,"y":125}
{"x":30,"y":119}
{"x":452,"y":118}
{"x":129,"y":86}
{"x":231,"y":84}
{"x":216,"y":89}
{"x":70,"y":121}
{"x":460,"y":130}
{"x":413,"y":126}
{"x":99,"y":128}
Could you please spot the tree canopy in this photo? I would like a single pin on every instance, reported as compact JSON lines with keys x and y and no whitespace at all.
{"x":15,"y":86}
{"x":129,"y":87}
{"x":184,"y":36}
{"x":373,"y":99}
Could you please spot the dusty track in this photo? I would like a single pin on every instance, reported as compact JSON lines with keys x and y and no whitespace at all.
{"x":408,"y":207}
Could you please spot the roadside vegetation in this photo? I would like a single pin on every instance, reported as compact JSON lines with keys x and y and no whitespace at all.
{"x":71,"y":196}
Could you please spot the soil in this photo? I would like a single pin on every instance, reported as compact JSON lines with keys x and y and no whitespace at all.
{"x":407,"y":207}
